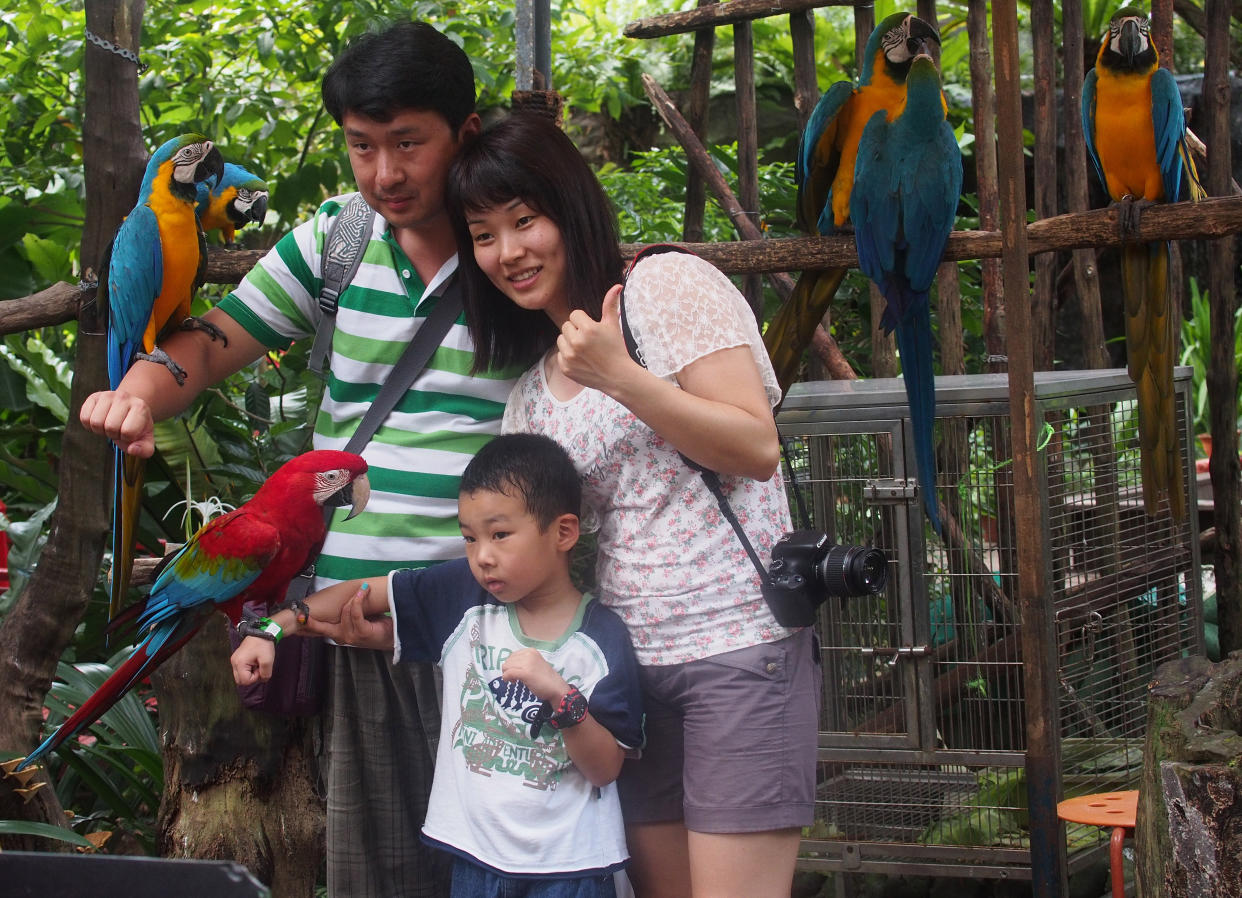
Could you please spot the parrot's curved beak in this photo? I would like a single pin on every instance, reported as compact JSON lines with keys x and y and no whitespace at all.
{"x":356,"y":495}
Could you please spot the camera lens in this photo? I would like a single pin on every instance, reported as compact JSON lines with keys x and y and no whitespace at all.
{"x":853,"y":571}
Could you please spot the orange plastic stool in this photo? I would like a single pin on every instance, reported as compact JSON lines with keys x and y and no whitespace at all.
{"x":1115,"y":809}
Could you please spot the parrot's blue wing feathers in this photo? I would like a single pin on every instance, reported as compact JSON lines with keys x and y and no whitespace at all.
{"x":1169,"y":123}
{"x":1088,"y":123}
{"x":135,"y":272}
{"x":816,"y":163}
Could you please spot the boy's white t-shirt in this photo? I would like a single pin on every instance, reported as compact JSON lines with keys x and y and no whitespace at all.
{"x":501,"y":798}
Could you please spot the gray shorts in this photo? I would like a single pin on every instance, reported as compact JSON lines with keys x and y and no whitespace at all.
{"x":731,"y":740}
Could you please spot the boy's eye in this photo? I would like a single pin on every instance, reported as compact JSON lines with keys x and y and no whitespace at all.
{"x":500,"y":534}
{"x":468,"y":539}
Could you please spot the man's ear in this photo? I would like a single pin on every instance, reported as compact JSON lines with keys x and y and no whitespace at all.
{"x":567,"y":528}
{"x":470,"y":128}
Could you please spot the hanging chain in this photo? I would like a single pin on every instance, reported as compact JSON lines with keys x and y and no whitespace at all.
{"x":119,"y":51}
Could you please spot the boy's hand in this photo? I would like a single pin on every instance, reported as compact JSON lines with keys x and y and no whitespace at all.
{"x":540,"y":677}
{"x":252,"y":662}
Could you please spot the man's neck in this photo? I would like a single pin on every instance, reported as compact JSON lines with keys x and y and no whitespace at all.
{"x":427,"y":246}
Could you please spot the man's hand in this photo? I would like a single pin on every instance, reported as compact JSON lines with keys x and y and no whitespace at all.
{"x":354,"y":627}
{"x":252,"y":662}
{"x":121,"y":417}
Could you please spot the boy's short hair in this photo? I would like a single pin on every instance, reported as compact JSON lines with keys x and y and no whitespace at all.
{"x":534,"y":466}
{"x":410,"y":65}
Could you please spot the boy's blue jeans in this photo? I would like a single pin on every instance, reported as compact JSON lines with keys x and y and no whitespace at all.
{"x":472,"y":881}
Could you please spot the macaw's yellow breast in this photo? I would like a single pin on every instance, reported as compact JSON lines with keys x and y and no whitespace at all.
{"x":1125,"y":138}
{"x":881,"y":94}
{"x":179,"y":245}
{"x":217,"y":214}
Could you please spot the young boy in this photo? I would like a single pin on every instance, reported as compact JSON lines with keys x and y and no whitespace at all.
{"x":540,"y":689}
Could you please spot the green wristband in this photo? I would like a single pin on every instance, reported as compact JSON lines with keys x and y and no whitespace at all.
{"x":271,"y":628}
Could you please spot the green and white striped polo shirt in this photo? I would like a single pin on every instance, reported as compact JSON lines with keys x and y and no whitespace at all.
{"x":417,"y":456}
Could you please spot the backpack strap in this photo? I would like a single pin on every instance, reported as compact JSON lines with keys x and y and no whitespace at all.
{"x":343,"y":248}
{"x":710,"y":478}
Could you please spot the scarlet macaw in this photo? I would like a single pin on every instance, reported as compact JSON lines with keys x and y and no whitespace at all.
{"x":1136,"y":134}
{"x":824,"y":170}
{"x":249,"y":554}
{"x":903,"y":205}
{"x":153,"y":266}
{"x":228,"y":203}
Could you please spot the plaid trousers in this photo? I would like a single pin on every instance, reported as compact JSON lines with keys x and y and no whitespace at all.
{"x":382,"y":725}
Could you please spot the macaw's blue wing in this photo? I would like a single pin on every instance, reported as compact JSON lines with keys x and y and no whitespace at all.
{"x":1169,"y":125}
{"x":817,"y":160}
{"x":1088,"y":123}
{"x":135,"y":273}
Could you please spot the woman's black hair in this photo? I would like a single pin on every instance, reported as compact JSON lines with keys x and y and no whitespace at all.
{"x":410,"y":65}
{"x":527,"y":157}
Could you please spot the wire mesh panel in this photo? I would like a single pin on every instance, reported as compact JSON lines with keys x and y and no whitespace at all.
{"x":923,"y":730}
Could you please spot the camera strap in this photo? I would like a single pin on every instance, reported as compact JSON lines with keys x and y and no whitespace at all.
{"x":710,"y":478}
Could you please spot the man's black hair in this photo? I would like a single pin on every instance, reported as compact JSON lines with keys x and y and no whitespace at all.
{"x":533,"y":467}
{"x":408,"y":66}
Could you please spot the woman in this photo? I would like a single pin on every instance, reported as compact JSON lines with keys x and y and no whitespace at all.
{"x":714,"y":805}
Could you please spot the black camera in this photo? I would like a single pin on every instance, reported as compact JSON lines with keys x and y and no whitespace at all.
{"x":806,"y":569}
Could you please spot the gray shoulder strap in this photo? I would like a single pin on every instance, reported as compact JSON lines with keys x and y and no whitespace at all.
{"x":343,"y":248}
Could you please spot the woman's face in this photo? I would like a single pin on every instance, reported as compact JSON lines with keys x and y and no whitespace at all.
{"x":521,"y":251}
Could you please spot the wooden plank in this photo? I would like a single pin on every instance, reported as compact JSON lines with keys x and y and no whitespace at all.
{"x":747,"y":146}
{"x":696,"y":118}
{"x":722,"y":14}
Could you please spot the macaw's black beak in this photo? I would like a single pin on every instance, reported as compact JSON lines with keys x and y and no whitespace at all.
{"x":212,"y":164}
{"x":1131,"y":41}
{"x":356,"y":494}
{"x":258,"y":210}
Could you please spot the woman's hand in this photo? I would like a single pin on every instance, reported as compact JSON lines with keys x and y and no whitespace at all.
{"x":592,"y":353}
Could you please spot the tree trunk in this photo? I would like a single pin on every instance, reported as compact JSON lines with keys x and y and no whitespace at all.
{"x":35,"y":633}
{"x":238,"y":785}
{"x":1188,"y":834}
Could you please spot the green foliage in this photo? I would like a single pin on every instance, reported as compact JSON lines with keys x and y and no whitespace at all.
{"x":1197,"y":351}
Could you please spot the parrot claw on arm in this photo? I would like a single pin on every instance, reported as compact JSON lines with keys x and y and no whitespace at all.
{"x":194,"y":323}
{"x":160,"y":357}
{"x":904,"y":204}
{"x":1135,"y":131}
{"x":249,"y":554}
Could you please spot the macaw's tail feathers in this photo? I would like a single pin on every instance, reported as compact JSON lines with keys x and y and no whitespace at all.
{"x":914,"y":342}
{"x":790,"y":332}
{"x":1151,"y":347}
{"x":160,"y":644}
{"x":127,"y":502}
{"x":1195,"y":186}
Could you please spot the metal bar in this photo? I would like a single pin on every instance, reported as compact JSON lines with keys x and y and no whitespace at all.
{"x":533,"y":34}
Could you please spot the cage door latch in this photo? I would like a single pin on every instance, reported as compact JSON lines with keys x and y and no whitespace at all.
{"x":891,"y":490}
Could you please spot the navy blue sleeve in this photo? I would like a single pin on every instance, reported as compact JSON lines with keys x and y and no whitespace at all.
{"x":427,"y":605}
{"x":616,"y":701}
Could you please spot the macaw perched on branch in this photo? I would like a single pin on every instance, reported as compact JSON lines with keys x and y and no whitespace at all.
{"x":151,"y":270}
{"x":249,"y":554}
{"x":1136,"y":134}
{"x":904,"y":202}
{"x":824,"y":170}
{"x":229,"y":203}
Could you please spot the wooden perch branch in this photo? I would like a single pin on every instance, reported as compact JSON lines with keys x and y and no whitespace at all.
{"x":721,"y":14}
{"x":55,"y":305}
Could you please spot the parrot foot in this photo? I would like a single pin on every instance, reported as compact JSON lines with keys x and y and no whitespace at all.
{"x":300,"y":609}
{"x":198,"y":324}
{"x":160,"y":357}
{"x":1129,"y":214}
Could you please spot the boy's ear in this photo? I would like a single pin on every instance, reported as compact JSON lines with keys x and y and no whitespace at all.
{"x":567,"y":527}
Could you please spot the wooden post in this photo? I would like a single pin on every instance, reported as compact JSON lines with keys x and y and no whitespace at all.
{"x":983,"y":102}
{"x":1222,"y":376}
{"x":696,"y":116}
{"x":1043,"y":773}
{"x":1043,"y":312}
{"x":747,"y":146}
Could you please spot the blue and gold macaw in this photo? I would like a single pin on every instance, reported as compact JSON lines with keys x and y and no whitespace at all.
{"x":230,"y":202}
{"x":903,"y":204}
{"x":1136,"y":134}
{"x":151,"y":270}
{"x":247,"y":555}
{"x":824,"y":170}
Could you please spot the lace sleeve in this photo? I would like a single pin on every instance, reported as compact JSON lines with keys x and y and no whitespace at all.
{"x":681,"y":308}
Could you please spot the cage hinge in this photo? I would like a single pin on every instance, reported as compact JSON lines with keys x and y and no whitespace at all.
{"x":896,"y":651}
{"x":891,"y":490}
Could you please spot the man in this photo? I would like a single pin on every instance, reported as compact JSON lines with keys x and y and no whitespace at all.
{"x":405,"y":101}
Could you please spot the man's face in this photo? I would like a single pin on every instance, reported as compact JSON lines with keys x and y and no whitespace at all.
{"x":401,"y":165}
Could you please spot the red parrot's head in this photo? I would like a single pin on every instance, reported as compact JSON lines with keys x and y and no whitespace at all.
{"x":330,"y":477}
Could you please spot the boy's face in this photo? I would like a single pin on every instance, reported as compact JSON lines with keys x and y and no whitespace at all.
{"x":401,"y":166}
{"x":510,"y":555}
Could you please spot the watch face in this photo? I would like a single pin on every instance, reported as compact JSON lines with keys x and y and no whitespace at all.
{"x":573,"y":708}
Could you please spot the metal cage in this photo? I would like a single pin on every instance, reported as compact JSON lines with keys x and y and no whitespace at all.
{"x":923,"y":730}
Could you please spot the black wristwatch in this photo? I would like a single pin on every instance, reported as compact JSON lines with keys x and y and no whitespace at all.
{"x":571,"y":710}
